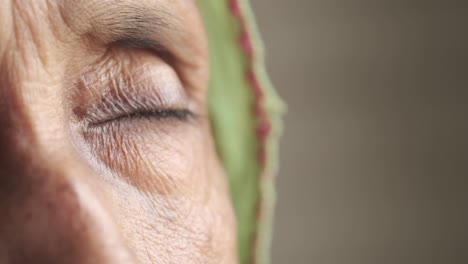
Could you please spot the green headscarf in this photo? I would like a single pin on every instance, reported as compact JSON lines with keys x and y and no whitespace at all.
{"x":245,"y":113}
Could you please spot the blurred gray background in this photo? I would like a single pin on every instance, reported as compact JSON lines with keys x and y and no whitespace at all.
{"x":375,"y":152}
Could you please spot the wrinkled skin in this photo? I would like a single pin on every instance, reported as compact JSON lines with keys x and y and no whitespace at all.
{"x":106,"y":150}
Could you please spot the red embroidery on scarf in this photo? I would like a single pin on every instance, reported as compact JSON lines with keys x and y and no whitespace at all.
{"x":235,"y":8}
{"x":263,"y":127}
{"x":246,"y":43}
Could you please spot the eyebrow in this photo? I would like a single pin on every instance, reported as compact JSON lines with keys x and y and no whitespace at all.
{"x":140,"y":24}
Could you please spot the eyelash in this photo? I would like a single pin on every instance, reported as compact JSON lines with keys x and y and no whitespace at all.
{"x":183,"y":115}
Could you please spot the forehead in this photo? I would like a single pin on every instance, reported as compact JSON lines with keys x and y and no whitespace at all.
{"x":85,"y":16}
{"x":173,"y":24}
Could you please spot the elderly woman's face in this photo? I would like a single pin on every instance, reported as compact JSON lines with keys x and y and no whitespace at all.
{"x":106,"y":154}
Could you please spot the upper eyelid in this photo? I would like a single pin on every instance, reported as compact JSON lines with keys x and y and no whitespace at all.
{"x":118,"y":86}
{"x":155,"y":48}
{"x":127,"y":102}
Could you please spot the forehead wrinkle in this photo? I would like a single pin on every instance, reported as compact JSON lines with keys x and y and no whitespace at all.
{"x":120,"y":20}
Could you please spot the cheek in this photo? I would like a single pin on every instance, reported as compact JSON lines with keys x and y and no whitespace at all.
{"x":178,"y":230}
{"x":168,"y":193}
{"x":172,"y":196}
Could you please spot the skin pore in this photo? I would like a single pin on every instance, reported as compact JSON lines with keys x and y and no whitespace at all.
{"x":106,"y":150}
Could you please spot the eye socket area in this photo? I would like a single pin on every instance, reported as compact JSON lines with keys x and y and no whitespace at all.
{"x":131,"y":118}
{"x":132,"y":85}
{"x":131,"y":108}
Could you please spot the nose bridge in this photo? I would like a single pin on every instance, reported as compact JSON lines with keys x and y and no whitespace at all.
{"x":49,"y":211}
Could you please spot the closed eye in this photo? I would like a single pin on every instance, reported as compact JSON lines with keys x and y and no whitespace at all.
{"x":159,"y":114}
